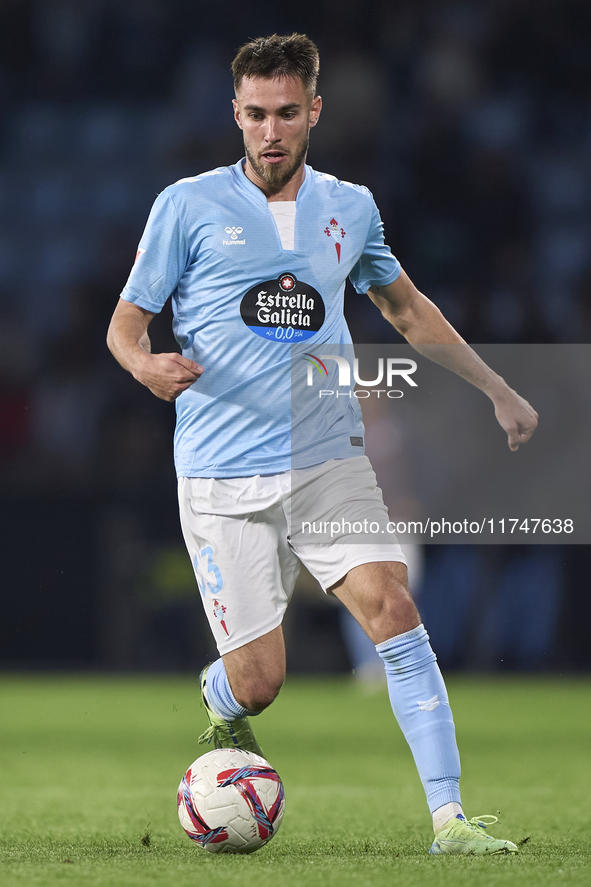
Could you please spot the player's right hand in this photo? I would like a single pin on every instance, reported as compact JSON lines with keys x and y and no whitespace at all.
{"x":168,"y":375}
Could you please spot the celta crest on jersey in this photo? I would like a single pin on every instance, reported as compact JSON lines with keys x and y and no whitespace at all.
{"x":337,"y":233}
{"x":284,"y":310}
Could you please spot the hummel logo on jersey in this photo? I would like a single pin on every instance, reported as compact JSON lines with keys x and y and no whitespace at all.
{"x":234,"y":233}
{"x":430,"y":704}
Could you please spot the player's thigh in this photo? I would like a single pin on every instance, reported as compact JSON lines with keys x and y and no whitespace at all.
{"x":339,"y":520}
{"x":244,"y":568}
{"x":365,"y":569}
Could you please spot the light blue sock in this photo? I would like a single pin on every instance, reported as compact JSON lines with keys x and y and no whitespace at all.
{"x":220,"y":698}
{"x":421,"y":707}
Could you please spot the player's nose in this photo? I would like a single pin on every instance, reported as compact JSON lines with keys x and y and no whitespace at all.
{"x":271,"y":130}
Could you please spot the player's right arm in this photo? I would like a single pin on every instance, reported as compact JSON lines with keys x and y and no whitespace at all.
{"x":166,"y":375}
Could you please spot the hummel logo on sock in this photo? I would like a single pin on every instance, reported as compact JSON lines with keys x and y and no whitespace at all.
{"x":430,"y":704}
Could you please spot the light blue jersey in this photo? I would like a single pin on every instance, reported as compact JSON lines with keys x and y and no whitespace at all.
{"x":248,"y":310}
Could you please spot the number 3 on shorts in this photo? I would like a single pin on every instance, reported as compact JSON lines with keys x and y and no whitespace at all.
{"x":212,"y":570}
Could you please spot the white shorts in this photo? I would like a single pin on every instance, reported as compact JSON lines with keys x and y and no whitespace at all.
{"x":247,"y":536}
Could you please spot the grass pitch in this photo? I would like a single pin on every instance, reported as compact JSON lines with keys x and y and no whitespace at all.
{"x":89,"y":769}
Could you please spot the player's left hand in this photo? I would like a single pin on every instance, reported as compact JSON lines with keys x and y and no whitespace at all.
{"x":516,"y":416}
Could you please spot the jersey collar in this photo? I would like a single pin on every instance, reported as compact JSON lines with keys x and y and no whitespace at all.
{"x":245,"y":183}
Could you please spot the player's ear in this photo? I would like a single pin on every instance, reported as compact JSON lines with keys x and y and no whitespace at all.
{"x":315,"y":109}
{"x":236,"y":113}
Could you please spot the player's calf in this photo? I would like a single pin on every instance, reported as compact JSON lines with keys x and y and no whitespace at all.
{"x":256,"y":671}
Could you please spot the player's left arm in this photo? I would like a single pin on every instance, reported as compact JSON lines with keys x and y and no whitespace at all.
{"x":422,"y":324}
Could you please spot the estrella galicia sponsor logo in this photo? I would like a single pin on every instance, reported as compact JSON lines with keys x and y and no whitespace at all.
{"x":234,"y":233}
{"x":284,"y":309}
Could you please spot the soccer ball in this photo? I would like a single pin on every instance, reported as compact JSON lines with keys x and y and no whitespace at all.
{"x":230,"y":801}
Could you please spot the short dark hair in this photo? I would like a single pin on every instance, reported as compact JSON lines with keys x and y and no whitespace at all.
{"x":293,"y":55}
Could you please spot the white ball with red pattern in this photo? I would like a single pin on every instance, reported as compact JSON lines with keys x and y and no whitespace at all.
{"x":230,"y":801}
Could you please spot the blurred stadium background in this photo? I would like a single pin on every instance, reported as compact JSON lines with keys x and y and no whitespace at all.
{"x":470,"y":122}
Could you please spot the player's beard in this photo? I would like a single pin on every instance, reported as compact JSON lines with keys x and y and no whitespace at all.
{"x":276,"y":176}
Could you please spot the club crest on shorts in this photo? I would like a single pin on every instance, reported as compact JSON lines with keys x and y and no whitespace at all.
{"x":219,"y":611}
{"x":337,"y":233}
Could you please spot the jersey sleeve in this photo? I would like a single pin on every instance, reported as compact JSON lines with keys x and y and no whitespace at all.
{"x":161,"y":260}
{"x":376,"y":265}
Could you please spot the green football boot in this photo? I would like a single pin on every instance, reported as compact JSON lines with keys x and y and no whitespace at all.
{"x":468,"y":836}
{"x":226,"y":734}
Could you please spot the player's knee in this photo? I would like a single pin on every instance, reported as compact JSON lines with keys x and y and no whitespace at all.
{"x":395,"y":614}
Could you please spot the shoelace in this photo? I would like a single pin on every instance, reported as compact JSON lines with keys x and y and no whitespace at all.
{"x":483,"y":821}
{"x":223,"y":733}
{"x":208,"y":736}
